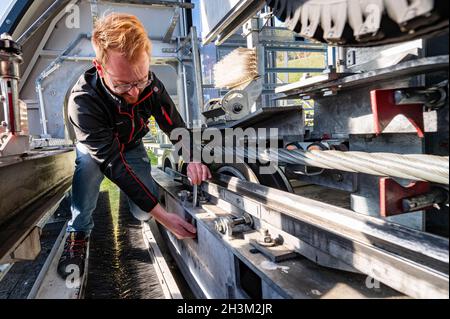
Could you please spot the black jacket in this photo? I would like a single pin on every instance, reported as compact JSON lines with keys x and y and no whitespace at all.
{"x":108,"y":127}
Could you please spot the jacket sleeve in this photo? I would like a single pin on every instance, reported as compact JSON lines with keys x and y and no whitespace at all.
{"x":92,"y":130}
{"x":166,"y":114}
{"x":170,"y":121}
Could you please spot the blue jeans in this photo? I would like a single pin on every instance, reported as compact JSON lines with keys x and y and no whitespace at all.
{"x":86,"y":186}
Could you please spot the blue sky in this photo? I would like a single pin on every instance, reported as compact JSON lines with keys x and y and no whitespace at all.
{"x":4,"y":4}
{"x":196,"y":14}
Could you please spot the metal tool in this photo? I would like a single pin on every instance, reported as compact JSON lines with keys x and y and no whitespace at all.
{"x":194,"y":195}
{"x":185,"y":180}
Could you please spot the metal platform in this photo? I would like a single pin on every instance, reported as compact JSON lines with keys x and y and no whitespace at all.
{"x":124,"y":261}
{"x":328,"y":236}
{"x":324,"y":84}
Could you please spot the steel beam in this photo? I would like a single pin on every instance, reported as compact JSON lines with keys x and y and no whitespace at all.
{"x":237,"y":16}
{"x":173,"y":23}
{"x":212,"y":263}
{"x":399,"y":71}
{"x":160,"y":3}
{"x":55,"y":6}
{"x":412,"y":262}
{"x":30,"y":187}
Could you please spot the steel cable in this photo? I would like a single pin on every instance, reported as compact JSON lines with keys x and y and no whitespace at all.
{"x":420,"y":167}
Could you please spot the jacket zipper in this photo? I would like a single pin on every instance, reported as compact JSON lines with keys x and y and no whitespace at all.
{"x":132,"y":130}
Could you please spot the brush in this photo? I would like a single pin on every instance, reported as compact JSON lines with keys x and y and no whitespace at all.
{"x":236,"y":69}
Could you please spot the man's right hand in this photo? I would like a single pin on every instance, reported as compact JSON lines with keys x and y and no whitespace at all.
{"x":177,"y":225}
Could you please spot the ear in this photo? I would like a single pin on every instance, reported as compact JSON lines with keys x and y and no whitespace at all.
{"x":99,"y":68}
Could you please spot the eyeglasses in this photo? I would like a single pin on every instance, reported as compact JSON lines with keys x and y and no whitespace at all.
{"x":123,"y":88}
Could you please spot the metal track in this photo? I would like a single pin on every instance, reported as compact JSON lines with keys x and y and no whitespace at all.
{"x":48,"y":285}
{"x":16,"y":231}
{"x":407,"y":260}
{"x":166,"y":279}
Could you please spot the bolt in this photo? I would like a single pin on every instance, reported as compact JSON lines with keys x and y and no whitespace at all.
{"x":264,"y":231}
{"x":338,"y":177}
{"x":266,"y":239}
{"x":266,"y":236}
{"x":183,"y":195}
{"x":237,"y":108}
{"x":219,"y":225}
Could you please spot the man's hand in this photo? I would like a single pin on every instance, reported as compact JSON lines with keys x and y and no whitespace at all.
{"x":177,"y":225}
{"x":197,"y":173}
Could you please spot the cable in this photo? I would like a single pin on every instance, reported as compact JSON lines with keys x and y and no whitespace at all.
{"x":420,"y":167}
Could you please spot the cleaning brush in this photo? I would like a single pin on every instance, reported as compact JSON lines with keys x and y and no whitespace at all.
{"x":236,"y":69}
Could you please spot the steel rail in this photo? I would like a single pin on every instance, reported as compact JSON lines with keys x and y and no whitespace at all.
{"x":410,"y":261}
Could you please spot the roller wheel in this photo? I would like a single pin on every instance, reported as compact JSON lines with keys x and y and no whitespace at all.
{"x":363,"y":22}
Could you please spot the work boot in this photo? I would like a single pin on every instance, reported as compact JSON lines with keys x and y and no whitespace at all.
{"x":74,"y":255}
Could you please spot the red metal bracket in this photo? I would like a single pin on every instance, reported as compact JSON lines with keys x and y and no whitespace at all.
{"x":384,"y":110}
{"x":392,"y":194}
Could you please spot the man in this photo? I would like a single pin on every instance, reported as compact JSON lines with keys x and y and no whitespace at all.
{"x":109,"y":108}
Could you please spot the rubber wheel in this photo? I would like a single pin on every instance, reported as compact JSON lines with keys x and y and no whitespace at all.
{"x":251,"y":173}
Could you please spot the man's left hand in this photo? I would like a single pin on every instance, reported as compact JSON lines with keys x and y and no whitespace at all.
{"x":197,"y":173}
